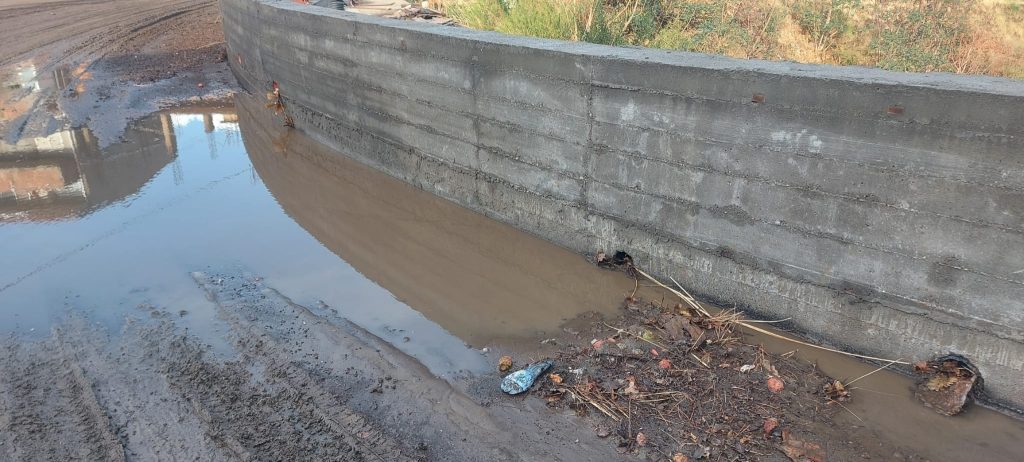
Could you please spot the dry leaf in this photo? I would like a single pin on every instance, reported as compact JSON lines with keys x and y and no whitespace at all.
{"x":674,"y":326}
{"x":940,"y":382}
{"x":801,"y":451}
{"x":836,"y":391}
{"x":770,"y":424}
{"x":555,"y":378}
{"x":631,"y":388}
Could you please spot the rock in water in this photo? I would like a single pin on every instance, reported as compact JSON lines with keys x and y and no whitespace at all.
{"x":521,"y":380}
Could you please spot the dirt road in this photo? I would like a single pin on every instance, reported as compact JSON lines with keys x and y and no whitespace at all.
{"x":77,"y":31}
{"x":110,"y":62}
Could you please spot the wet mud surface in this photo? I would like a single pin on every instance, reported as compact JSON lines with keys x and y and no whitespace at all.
{"x":299,"y":385}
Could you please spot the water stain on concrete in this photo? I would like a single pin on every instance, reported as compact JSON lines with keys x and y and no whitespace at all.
{"x":944,"y":273}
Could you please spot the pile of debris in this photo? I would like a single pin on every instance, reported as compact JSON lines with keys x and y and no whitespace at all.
{"x":677,"y":382}
{"x":416,"y":13}
{"x":679,"y":385}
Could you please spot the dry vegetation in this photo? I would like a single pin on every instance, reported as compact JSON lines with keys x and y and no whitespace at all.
{"x":678,"y":382}
{"x":961,"y":36}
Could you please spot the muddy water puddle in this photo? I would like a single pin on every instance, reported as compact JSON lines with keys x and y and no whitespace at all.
{"x":115,"y":232}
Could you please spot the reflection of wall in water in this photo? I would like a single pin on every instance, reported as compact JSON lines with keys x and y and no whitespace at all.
{"x":481,"y":280}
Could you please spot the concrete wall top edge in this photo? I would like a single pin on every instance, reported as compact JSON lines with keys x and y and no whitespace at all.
{"x":996,"y":86}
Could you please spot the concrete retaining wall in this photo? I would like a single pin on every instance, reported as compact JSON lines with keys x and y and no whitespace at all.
{"x":882,"y":211}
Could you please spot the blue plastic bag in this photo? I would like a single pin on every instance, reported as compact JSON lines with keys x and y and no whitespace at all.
{"x":521,"y":380}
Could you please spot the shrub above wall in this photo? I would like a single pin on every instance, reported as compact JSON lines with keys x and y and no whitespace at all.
{"x":962,"y":36}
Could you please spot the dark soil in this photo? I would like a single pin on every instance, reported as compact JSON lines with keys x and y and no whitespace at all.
{"x":663,"y":383}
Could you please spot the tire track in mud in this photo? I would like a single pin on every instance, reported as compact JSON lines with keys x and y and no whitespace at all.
{"x":353,"y":369}
{"x":330,"y":359}
{"x":162,"y":395}
{"x":277,"y":416}
{"x":47,"y":399}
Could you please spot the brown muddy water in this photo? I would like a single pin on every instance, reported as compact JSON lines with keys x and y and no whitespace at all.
{"x":112,"y":236}
{"x":107,"y":231}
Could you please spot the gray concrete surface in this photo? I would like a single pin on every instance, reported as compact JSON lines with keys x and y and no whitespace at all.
{"x":883,"y":212}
